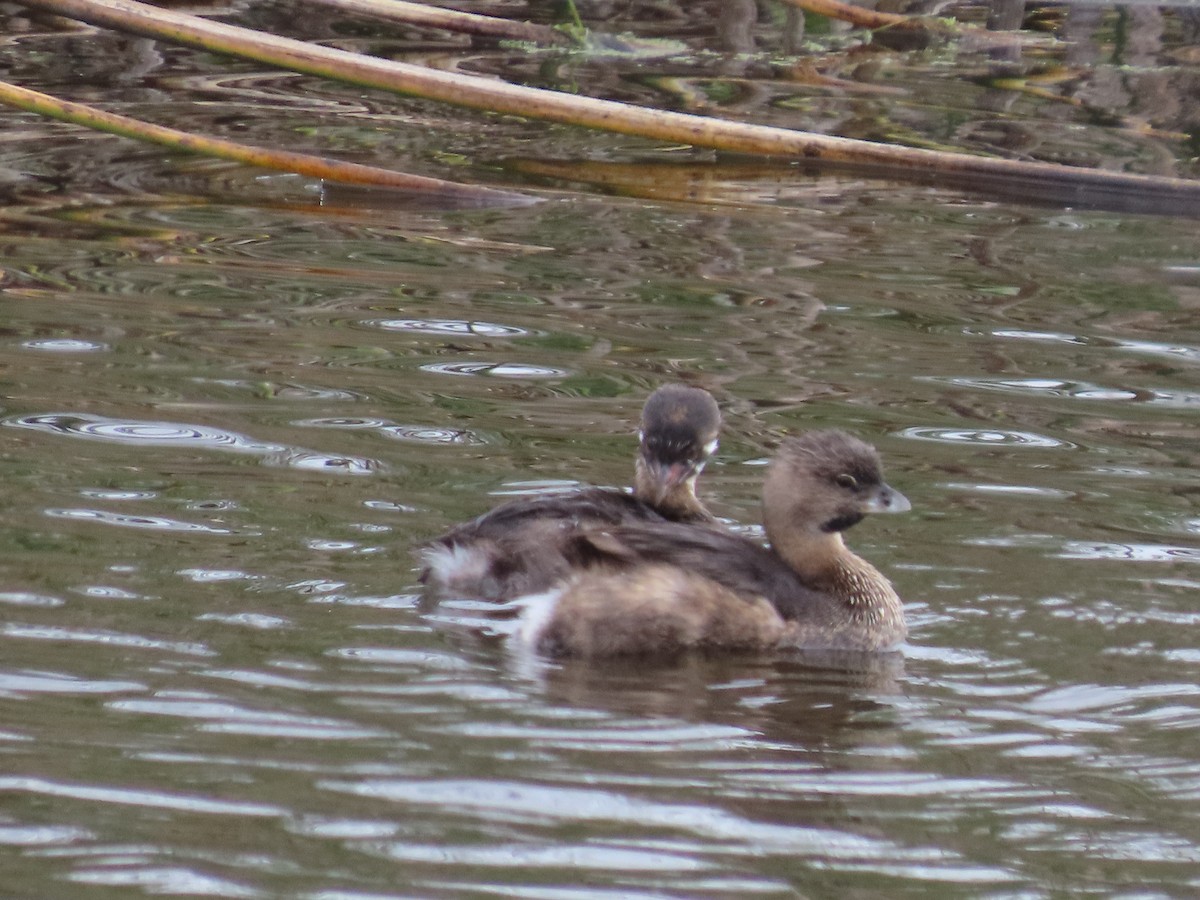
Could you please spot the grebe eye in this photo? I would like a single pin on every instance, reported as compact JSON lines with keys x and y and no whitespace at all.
{"x":846,"y":481}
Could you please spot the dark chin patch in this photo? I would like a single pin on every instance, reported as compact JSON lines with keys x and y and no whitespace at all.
{"x":841,"y":523}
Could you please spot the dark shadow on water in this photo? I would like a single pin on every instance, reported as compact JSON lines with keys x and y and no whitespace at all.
{"x":356,"y":197}
{"x":753,"y":181}
{"x":809,"y":699}
{"x":1147,"y":200}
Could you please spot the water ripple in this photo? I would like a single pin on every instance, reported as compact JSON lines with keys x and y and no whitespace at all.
{"x":146,"y":434}
{"x":990,"y":436}
{"x":64,"y":345}
{"x":389,"y":601}
{"x":539,"y":805}
{"x":430,"y":435}
{"x":163,"y":880}
{"x":175,"y":434}
{"x":1044,"y":387}
{"x":1154,"y":348}
{"x":1110,"y":614}
{"x":536,"y":488}
{"x":131,"y":797}
{"x":424,"y":434}
{"x":495,"y":370}
{"x":204,"y":576}
{"x":344,"y":422}
{"x":247,"y":620}
{"x":289,"y":391}
{"x":892,"y":784}
{"x":1053,"y":337}
{"x":1074,"y":390}
{"x":341,"y":829}
{"x":41,"y":835}
{"x":111,"y":638}
{"x":1089,"y":697}
{"x":25,"y":598}
{"x":312,"y":461}
{"x":1136,"y":552}
{"x":452,"y":327}
{"x":107,"y":592}
{"x":227,"y":718}
{"x":394,"y":656}
{"x":636,"y":737}
{"x":104,"y":494}
{"x":1009,"y":489}
{"x":389,"y":506}
{"x":567,"y":856}
{"x":156,"y":523}
{"x":57,"y":683}
{"x":1095,"y":550}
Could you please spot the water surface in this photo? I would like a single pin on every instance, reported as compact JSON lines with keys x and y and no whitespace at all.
{"x":229,"y":411}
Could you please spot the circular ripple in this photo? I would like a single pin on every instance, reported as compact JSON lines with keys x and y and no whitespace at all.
{"x":152,"y":434}
{"x":64,"y":345}
{"x":312,"y":461}
{"x":429,"y":435}
{"x":453,"y":327}
{"x":496,"y":370}
{"x":102,"y":494}
{"x":211,"y":505}
{"x":106,"y":592}
{"x":990,"y":436}
{"x":329,"y":544}
{"x":300,"y":392}
{"x":156,"y":523}
{"x":173,"y":434}
{"x":341,"y":422}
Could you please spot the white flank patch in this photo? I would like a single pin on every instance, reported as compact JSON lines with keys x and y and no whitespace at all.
{"x":536,"y":610}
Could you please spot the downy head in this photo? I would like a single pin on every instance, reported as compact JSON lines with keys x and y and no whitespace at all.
{"x":678,"y":435}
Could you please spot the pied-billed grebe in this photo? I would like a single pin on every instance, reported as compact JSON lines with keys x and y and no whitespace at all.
{"x":520,"y":547}
{"x":678,"y":435}
{"x":663,"y":588}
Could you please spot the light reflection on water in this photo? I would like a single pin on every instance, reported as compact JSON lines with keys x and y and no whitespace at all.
{"x":1155,"y":348}
{"x":64,"y":345}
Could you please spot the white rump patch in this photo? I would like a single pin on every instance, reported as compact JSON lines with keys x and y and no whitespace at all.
{"x":456,"y":564}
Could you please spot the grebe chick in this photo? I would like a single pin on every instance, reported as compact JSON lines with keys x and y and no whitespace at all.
{"x":659,"y":589}
{"x":520,"y":547}
{"x":678,"y":435}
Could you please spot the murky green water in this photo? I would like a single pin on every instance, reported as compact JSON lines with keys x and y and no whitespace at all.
{"x":227,"y":413}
